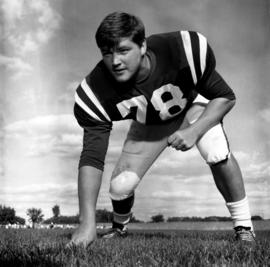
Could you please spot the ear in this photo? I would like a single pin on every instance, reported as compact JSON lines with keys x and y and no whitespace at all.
{"x":143,"y":48}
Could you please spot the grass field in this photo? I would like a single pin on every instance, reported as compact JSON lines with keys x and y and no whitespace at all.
{"x":145,"y":246}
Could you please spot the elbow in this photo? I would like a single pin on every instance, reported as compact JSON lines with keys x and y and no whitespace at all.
{"x":227,"y":103}
{"x":230,"y":99}
{"x":232,"y":103}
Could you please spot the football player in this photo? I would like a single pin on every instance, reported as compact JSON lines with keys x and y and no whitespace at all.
{"x":167,"y":84}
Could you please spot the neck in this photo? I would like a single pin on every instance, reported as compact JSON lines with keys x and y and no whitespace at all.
{"x":144,"y":69}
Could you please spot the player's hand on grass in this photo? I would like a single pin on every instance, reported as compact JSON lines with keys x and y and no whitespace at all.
{"x":183,"y":139}
{"x":83,"y":236}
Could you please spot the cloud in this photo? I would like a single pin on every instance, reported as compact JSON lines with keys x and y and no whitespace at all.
{"x":42,"y":125}
{"x":260,"y":192}
{"x":12,"y":10}
{"x":47,"y":134}
{"x":65,"y":145}
{"x":1,"y":168}
{"x":265,"y":114}
{"x":68,"y":95}
{"x":180,"y":195}
{"x":17,"y":65}
{"x":180,"y":164}
{"x":255,"y":166}
{"x":36,"y":189}
{"x":42,"y":195}
{"x":258,"y":170}
{"x":29,"y":24}
{"x":59,"y":134}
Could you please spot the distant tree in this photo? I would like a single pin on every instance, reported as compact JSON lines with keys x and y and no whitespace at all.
{"x":103,"y":216}
{"x":35,"y":216}
{"x":256,"y":218}
{"x":211,"y":219}
{"x":63,"y":220}
{"x":217,"y":219}
{"x":134,"y":220}
{"x":7,"y":215}
{"x":56,"y":211}
{"x":19,"y":220}
{"x":157,"y":218}
{"x":174,"y":219}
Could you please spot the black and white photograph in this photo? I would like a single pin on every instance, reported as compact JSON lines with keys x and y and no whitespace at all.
{"x":134,"y":133}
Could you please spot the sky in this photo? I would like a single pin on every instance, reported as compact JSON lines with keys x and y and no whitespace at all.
{"x":48,"y":47}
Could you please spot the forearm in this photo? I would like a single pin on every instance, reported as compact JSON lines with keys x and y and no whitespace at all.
{"x":214,"y":112}
{"x":89,"y":182}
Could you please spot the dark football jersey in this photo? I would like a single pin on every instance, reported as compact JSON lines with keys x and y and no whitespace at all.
{"x":182,"y":65}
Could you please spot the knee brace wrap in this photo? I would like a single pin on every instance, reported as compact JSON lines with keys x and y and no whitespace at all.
{"x":214,"y":146}
{"x":123,"y":185}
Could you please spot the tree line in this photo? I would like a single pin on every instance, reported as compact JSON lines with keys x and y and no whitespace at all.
{"x":36,"y":216}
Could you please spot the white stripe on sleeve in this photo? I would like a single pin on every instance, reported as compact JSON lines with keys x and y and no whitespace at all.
{"x":93,"y":98}
{"x":188,"y":50}
{"x":86,"y":108}
{"x":203,"y":49}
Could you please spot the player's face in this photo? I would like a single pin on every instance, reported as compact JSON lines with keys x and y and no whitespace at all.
{"x":124,"y":60}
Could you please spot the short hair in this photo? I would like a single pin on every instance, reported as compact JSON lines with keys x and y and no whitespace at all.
{"x":119,"y":25}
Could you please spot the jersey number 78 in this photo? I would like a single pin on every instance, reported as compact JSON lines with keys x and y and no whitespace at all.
{"x":168,"y":100}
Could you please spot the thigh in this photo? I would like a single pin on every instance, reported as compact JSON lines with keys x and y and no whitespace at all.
{"x":143,"y":145}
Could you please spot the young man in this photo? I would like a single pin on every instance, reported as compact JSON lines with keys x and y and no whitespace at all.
{"x":168,"y":85}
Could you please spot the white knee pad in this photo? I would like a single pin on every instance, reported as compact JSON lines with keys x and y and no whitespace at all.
{"x":214,"y":146}
{"x":123,"y":185}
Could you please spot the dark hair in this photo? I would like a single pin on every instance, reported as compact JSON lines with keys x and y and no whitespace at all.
{"x":119,"y":25}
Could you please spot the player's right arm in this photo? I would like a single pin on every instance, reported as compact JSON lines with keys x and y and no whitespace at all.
{"x":96,"y":126}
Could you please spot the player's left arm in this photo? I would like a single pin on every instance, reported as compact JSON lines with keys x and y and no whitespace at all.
{"x":222,"y":99}
{"x":216,"y":109}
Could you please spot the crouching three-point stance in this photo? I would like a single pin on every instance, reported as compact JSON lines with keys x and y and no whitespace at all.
{"x":142,"y":148}
{"x":167,"y":84}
